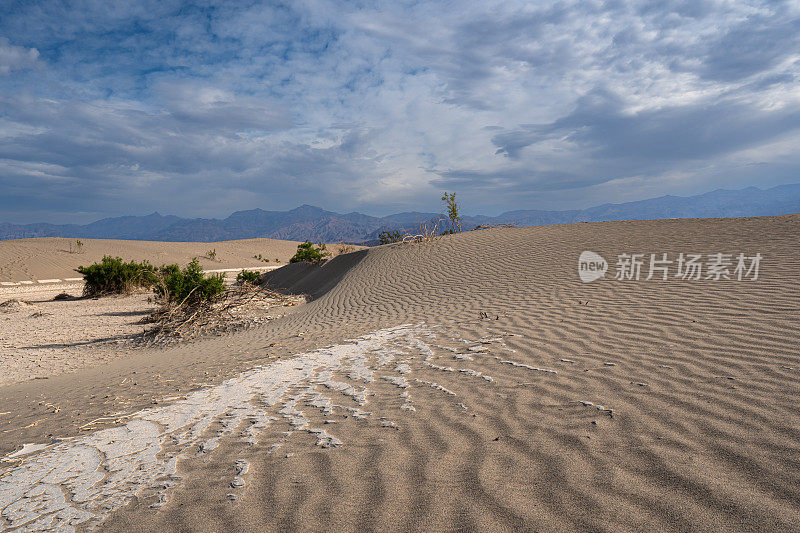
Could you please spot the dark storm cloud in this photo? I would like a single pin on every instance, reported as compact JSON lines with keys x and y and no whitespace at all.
{"x":602,"y":128}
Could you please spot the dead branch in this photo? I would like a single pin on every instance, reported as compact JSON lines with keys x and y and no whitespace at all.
{"x":190,"y":319}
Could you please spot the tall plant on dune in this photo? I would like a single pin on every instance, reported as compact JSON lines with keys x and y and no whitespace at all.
{"x":452,"y":211}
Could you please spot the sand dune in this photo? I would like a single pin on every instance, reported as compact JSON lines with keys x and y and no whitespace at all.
{"x":472,"y":382}
{"x":52,"y":257}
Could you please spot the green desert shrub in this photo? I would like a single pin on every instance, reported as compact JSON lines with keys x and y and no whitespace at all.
{"x":452,"y":212}
{"x":307,"y":252}
{"x":188,"y":285}
{"x":388,"y":237}
{"x":248,"y":276}
{"x":112,"y":275}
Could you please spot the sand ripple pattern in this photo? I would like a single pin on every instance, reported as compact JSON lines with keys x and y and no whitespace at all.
{"x":607,"y":406}
{"x":81,"y":481}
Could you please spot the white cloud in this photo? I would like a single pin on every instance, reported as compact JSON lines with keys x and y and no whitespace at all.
{"x":15,"y":57}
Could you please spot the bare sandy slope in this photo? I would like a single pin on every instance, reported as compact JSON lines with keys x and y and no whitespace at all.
{"x":539,"y":402}
{"x":50,"y":257}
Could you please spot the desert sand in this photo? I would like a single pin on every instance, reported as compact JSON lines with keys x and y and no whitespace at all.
{"x":57,"y":258}
{"x":472,"y":382}
{"x":41,"y":338}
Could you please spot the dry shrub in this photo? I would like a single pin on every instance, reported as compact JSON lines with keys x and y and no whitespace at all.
{"x":180,"y":320}
{"x":429,"y":230}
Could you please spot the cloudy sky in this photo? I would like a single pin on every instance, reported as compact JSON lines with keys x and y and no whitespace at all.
{"x":110,"y":108}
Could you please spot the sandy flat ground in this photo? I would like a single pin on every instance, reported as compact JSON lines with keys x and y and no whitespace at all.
{"x":41,"y":338}
{"x":472,"y":382}
{"x":52,"y":257}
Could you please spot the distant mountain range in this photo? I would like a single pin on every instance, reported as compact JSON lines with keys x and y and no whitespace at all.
{"x":318,"y":225}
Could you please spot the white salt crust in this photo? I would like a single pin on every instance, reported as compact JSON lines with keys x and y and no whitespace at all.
{"x":80,"y":481}
{"x":58,"y":486}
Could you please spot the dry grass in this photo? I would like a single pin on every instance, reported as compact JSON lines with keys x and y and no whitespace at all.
{"x":341,"y":248}
{"x":428,"y":231}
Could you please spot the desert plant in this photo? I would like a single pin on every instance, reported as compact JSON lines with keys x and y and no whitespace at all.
{"x":78,"y":247}
{"x":188,"y":285}
{"x":388,"y":237}
{"x":452,"y":212}
{"x":228,"y":311}
{"x":114,"y":276}
{"x":307,"y":252}
{"x":259,"y":257}
{"x":212,"y":254}
{"x":248,"y":276}
{"x":427,"y":232}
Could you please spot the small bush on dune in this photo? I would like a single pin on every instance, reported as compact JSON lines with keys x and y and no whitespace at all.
{"x":388,"y":237}
{"x":188,"y":285}
{"x":114,"y":276}
{"x":248,"y":276}
{"x":307,"y":252}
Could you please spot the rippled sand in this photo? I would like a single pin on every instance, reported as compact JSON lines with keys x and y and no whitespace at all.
{"x":487,"y":388}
